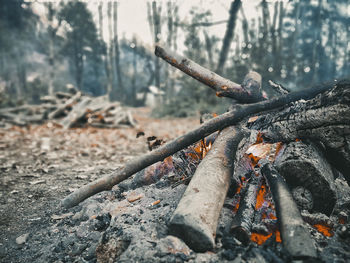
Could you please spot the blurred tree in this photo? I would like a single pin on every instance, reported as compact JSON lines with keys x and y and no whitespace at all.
{"x":118,"y":68}
{"x":17,"y":38}
{"x":81,"y":41}
{"x":226,"y":43}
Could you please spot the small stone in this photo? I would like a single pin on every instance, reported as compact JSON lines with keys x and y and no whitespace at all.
{"x":172,"y":245}
{"x":22,"y":239}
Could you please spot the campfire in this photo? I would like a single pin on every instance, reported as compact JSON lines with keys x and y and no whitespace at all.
{"x":278,"y":164}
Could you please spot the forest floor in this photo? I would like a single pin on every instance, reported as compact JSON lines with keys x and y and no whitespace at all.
{"x":40,"y":165}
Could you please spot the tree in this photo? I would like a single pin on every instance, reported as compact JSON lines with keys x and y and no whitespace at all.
{"x":117,"y":52}
{"x":226,"y":43}
{"x":81,"y":37}
{"x":17,"y":38}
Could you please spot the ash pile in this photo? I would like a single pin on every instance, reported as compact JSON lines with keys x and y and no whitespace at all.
{"x":68,"y":110}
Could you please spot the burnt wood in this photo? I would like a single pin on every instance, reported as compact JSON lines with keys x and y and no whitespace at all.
{"x":243,"y":220}
{"x":295,"y":236}
{"x":304,"y":165}
{"x":324,"y":119}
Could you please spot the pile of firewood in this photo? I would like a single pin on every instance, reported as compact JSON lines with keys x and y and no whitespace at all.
{"x":302,"y":146}
{"x":70,"y":109}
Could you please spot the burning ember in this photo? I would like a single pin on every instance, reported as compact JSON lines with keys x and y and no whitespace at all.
{"x":261,"y":239}
{"x":324,"y":229}
{"x":264,"y":205}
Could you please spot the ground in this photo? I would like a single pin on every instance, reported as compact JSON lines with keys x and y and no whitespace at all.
{"x":40,"y":165}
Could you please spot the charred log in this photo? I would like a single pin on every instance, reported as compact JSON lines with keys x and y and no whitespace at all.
{"x":325,"y":119}
{"x":295,"y":235}
{"x":243,"y":220}
{"x":303,"y":165}
{"x":196,"y":216}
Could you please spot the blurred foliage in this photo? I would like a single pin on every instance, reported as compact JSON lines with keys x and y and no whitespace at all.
{"x":296,"y":43}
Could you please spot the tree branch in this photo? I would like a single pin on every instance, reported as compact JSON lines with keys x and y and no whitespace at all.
{"x":222,"y":86}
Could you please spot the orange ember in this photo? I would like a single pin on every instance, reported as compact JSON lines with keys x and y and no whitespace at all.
{"x":260,"y":197}
{"x":259,"y":138}
{"x":201,"y":149}
{"x":342,"y":221}
{"x":259,"y":238}
{"x":324,"y":229}
{"x":278,"y":236}
{"x":235,"y":209}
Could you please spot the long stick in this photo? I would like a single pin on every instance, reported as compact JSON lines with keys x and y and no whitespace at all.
{"x":222,"y":86}
{"x":295,"y":235}
{"x":196,"y":216}
{"x":227,"y":119}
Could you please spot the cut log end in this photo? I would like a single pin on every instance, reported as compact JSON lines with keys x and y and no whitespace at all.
{"x":198,"y":236}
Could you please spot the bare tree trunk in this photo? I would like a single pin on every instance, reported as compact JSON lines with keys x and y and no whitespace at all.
{"x":317,"y":42}
{"x":117,"y":52}
{"x":133,"y":79}
{"x":104,"y":58}
{"x":273,"y":35}
{"x":51,"y":49}
{"x":156,"y":11}
{"x":209,"y":47}
{"x":292,"y":59}
{"x":110,"y":51}
{"x":279,"y":43}
{"x":79,"y":63}
{"x":226,"y":43}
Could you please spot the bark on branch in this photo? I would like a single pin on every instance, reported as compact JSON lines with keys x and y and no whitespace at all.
{"x":196,"y":216}
{"x":227,"y":119}
{"x":222,"y":86}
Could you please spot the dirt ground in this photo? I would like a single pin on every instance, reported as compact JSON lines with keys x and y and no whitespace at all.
{"x":39,"y":165}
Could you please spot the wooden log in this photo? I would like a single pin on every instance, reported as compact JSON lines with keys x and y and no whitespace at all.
{"x":317,"y":218}
{"x":304,"y":165}
{"x":60,"y":111}
{"x":196,"y":216}
{"x":243,"y":220}
{"x":324,"y":119}
{"x":295,"y":236}
{"x":222,"y":86}
{"x":77,"y":113}
{"x":227,"y":119}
